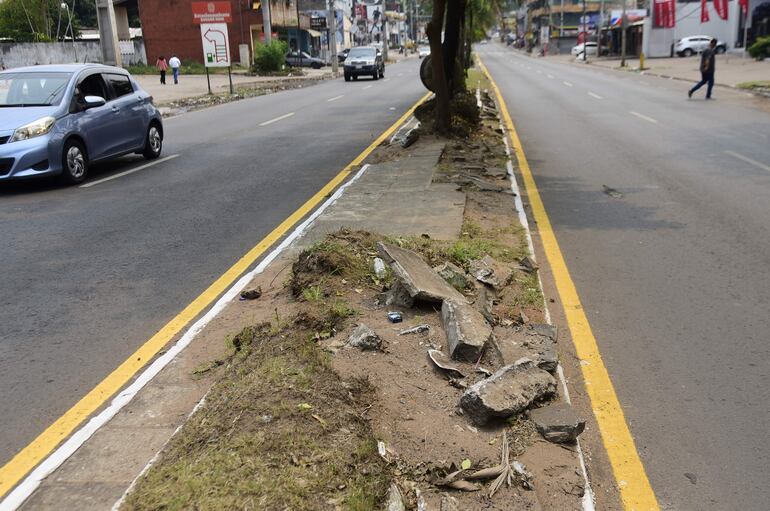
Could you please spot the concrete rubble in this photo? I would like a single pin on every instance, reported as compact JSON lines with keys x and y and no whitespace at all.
{"x":466,"y":329}
{"x":490,"y":272}
{"x":418,"y":279}
{"x":365,"y":338}
{"x":509,"y":391}
{"x":454,"y":275}
{"x":534,"y":341}
{"x":558,"y":423}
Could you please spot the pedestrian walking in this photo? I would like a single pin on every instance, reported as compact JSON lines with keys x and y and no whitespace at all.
{"x":707,"y":68}
{"x":175,"y":64}
{"x":162,"y":66}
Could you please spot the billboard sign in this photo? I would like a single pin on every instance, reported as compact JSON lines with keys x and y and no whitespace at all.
{"x":216,"y":44}
{"x":212,"y":12}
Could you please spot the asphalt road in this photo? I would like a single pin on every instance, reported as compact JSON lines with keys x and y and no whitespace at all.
{"x":89,"y":274}
{"x":673,"y":273}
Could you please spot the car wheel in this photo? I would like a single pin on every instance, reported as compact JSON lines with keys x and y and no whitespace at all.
{"x":687,"y":52}
{"x":316,"y":65}
{"x":376,"y":75}
{"x":347,"y":77}
{"x":355,"y":77}
{"x":74,"y":163}
{"x":382,"y":73}
{"x":153,"y":143}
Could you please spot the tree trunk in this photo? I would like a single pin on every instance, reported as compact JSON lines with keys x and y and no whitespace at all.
{"x":454,"y":18}
{"x":434,"y":29}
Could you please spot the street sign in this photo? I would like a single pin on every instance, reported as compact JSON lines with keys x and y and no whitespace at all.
{"x":216,"y":44}
{"x":212,"y":12}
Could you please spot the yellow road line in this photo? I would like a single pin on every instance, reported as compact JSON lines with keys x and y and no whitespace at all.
{"x":635,"y":489}
{"x":29,"y":457}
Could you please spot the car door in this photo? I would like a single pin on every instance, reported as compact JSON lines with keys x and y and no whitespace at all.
{"x":128,"y":108}
{"x":95,"y":124}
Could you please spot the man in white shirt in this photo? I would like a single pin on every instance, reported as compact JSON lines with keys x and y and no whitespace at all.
{"x":175,"y":64}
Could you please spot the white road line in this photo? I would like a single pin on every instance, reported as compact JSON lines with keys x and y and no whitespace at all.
{"x":567,"y":84}
{"x":271,"y":121}
{"x":127,"y":172}
{"x":539,"y":72}
{"x":368,"y":87}
{"x":16,"y":498}
{"x":749,"y":160}
{"x":335,"y":98}
{"x":550,"y":76}
{"x":386,"y":80}
{"x":648,"y":119}
{"x":594,"y":95}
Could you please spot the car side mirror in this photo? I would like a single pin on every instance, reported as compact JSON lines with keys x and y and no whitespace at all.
{"x":93,"y":102}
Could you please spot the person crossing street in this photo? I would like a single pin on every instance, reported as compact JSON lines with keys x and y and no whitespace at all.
{"x":175,"y":64}
{"x":707,"y":67}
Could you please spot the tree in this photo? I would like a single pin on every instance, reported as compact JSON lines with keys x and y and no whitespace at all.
{"x":434,"y":29}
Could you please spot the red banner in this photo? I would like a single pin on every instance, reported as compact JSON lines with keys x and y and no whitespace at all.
{"x":721,"y":7}
{"x":744,"y":6}
{"x":665,"y":13}
{"x":704,"y":12}
{"x":212,"y":12}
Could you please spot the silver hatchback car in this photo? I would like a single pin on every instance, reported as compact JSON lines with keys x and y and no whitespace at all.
{"x":57,"y":119}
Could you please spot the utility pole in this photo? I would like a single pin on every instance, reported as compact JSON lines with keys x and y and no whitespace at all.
{"x":386,"y":35}
{"x":299,"y":35}
{"x":585,"y":33}
{"x":623,"y":36}
{"x":599,"y":26}
{"x":266,"y":22}
{"x":561,"y":25}
{"x":331,"y":20}
{"x":108,"y":33}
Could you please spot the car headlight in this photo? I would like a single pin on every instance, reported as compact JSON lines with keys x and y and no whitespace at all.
{"x":34,"y":129}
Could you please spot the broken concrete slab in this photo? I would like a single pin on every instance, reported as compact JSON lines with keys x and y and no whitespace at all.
{"x":466,"y":329}
{"x":365,"y":338}
{"x":558,"y":423}
{"x":398,"y":296}
{"x":484,"y":304}
{"x":395,"y":499}
{"x":454,"y":275}
{"x":442,"y":362}
{"x":490,"y":272}
{"x":534,"y":341}
{"x":528,"y":264}
{"x":420,"y":280}
{"x":509,"y":391}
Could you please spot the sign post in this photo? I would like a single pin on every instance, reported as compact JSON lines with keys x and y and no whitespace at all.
{"x":213,"y":18}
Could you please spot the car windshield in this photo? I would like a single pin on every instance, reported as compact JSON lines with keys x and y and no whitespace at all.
{"x":32,"y":89}
{"x":358,"y":53}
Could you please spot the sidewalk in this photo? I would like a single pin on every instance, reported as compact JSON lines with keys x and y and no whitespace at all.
{"x":731,"y":69}
{"x":195,"y":85}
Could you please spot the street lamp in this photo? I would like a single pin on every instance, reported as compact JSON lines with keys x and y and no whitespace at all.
{"x":72,"y":31}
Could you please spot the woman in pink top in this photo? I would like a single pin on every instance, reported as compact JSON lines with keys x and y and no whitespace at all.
{"x":162,"y":66}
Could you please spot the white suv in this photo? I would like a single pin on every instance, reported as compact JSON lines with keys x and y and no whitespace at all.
{"x":696,"y":44}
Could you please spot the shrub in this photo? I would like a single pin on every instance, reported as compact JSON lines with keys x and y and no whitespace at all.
{"x":269,"y":58}
{"x":761,"y":48}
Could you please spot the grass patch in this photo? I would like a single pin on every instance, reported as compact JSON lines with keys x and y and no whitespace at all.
{"x":279,"y":431}
{"x":189,"y":67}
{"x":759,"y":84}
{"x":477,"y":78}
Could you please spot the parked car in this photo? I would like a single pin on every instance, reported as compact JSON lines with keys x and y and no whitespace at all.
{"x":58,"y":119}
{"x":341,"y":56}
{"x":688,"y":46}
{"x":589,"y":47}
{"x":294,"y":59}
{"x":424,"y":51}
{"x":364,"y":60}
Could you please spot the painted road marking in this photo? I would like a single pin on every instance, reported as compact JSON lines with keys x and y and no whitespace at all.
{"x":539,"y":72}
{"x":648,"y":119}
{"x":567,"y":84}
{"x":271,"y":121}
{"x":594,"y":95}
{"x":386,"y":80}
{"x":127,"y":172}
{"x":550,"y":76}
{"x":335,"y":98}
{"x":749,"y":160}
{"x":41,"y":447}
{"x":368,"y":87}
{"x":635,"y":489}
